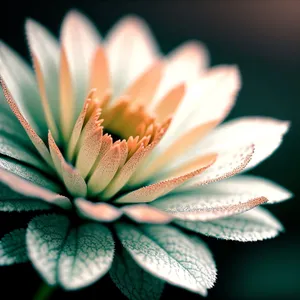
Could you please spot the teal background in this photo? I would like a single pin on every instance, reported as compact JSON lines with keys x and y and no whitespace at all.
{"x":263,"y":39}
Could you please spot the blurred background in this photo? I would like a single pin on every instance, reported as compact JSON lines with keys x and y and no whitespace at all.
{"x":263,"y":38}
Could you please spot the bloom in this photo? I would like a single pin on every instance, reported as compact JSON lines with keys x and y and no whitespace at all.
{"x":116,"y":148}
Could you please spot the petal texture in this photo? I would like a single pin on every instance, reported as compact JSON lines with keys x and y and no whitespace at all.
{"x":254,"y":225}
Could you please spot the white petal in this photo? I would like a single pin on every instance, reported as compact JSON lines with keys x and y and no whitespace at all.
{"x":228,"y":164}
{"x":198,"y":207}
{"x":211,"y":98}
{"x":131,"y":50}
{"x":251,"y":185}
{"x":46,"y":49}
{"x":80,"y":39}
{"x":20,"y":81}
{"x":254,"y":225}
{"x":265,"y":133}
{"x":183,"y":65}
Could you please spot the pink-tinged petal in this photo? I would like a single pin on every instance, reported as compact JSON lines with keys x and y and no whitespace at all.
{"x":265,"y":133}
{"x":102,"y":212}
{"x":227,"y":164}
{"x":44,"y":46}
{"x":250,"y":185}
{"x":30,"y":189}
{"x":183,"y":65}
{"x":158,"y":189}
{"x":131,"y":49}
{"x":73,"y":181}
{"x":210,"y":98}
{"x":146,"y":214}
{"x":77,"y":129}
{"x":36,"y":140}
{"x":177,"y":148}
{"x":89,"y":144}
{"x":142,"y":90}
{"x":105,"y":171}
{"x":80,"y":40}
{"x":100,"y":77}
{"x":198,"y":207}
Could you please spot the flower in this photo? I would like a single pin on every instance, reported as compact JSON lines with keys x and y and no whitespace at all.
{"x":119,"y":150}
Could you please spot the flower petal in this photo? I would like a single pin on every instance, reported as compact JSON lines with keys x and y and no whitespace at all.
{"x":45,"y":48}
{"x":12,"y":201}
{"x":102,"y":212}
{"x":265,"y":133}
{"x":80,"y":40}
{"x":13,"y":149}
{"x":20,"y":80}
{"x":36,"y":140}
{"x":183,"y":65}
{"x":251,"y":185}
{"x":158,"y":189}
{"x":131,"y":50}
{"x":168,"y":254}
{"x":146,"y":214}
{"x":254,"y":225}
{"x":30,"y":189}
{"x":133,"y":281}
{"x":28,"y":173}
{"x":74,"y":182}
{"x":198,"y":207}
{"x":210,"y":98}
{"x":228,"y":163}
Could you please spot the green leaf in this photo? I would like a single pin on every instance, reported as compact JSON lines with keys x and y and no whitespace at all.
{"x":254,"y":225}
{"x":12,"y":201}
{"x":15,"y":150}
{"x":168,"y":254}
{"x":132,"y":280}
{"x":13,"y":248}
{"x":28,"y":173}
{"x":86,"y":256}
{"x":73,"y":258}
{"x":46,"y":235}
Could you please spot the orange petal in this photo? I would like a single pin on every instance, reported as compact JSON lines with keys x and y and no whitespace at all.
{"x":105,"y":171}
{"x":146,"y":214}
{"x":102,"y":212}
{"x":169,"y":103}
{"x":181,"y":145}
{"x":74,"y":182}
{"x":89,"y":152}
{"x":36,"y":140}
{"x":100,"y":74}
{"x":67,"y":101}
{"x":158,"y":189}
{"x":143,"y":89}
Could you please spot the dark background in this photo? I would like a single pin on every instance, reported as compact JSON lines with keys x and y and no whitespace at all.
{"x":263,"y":38}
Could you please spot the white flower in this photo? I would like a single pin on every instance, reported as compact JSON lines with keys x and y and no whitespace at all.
{"x":122,"y":139}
